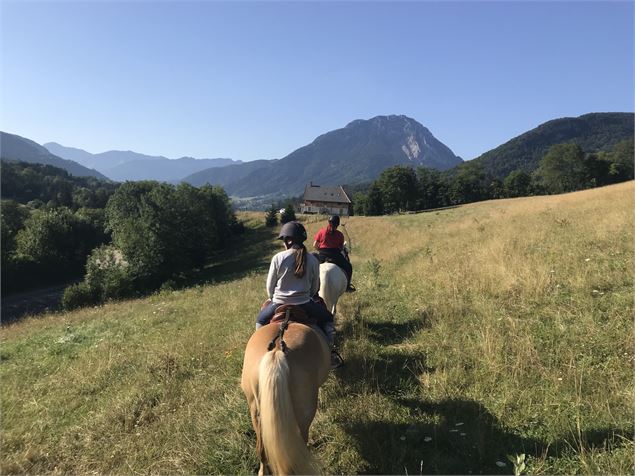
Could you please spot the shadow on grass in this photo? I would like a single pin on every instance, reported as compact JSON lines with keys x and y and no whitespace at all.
{"x":464,"y":439}
{"x":392,"y":374}
{"x":250,"y":252}
{"x":453,"y":436}
{"x":389,"y":333}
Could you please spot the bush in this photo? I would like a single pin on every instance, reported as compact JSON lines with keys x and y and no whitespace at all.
{"x":108,"y":274}
{"x":79,"y":295}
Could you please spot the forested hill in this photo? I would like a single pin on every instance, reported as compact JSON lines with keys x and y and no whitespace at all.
{"x":16,"y":148}
{"x":40,"y":184}
{"x":592,"y":132}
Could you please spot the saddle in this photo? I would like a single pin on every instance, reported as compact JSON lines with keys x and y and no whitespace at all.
{"x":284,"y":315}
{"x":295,"y":314}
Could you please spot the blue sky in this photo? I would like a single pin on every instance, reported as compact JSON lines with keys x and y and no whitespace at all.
{"x":257,"y":80}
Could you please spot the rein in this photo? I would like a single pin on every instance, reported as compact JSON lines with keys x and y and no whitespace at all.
{"x":283,"y":327}
{"x":350,"y":243}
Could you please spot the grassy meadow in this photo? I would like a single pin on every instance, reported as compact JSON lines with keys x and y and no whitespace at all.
{"x":493,"y":329}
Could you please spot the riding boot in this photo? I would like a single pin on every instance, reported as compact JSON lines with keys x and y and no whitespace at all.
{"x":329,"y":330}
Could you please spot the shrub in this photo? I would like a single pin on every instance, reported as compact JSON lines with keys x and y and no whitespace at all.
{"x":79,"y":295}
{"x":109,"y":275}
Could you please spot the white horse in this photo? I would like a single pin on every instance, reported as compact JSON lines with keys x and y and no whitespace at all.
{"x":333,"y":284}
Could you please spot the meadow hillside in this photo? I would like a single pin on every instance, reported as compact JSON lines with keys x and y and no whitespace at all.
{"x":492,"y":329}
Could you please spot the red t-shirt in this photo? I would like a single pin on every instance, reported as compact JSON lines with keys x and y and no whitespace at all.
{"x":329,"y":240}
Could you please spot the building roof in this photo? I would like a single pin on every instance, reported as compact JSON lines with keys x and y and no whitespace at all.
{"x":328,"y":193}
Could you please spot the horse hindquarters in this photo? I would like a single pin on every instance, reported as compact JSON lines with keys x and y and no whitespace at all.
{"x":333,"y":284}
{"x":285,"y":449}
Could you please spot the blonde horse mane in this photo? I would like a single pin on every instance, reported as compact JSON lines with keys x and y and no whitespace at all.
{"x":283,"y":444}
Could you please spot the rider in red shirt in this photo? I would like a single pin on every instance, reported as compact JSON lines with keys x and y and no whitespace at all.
{"x":329,"y":242}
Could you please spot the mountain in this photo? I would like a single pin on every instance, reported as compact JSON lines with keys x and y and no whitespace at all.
{"x":165,"y":170}
{"x":592,"y":132}
{"x":101,"y":161}
{"x":16,"y":148}
{"x":123,"y":165}
{"x":354,"y":154}
{"x":225,"y":176}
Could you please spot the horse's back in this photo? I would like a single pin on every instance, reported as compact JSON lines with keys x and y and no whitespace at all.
{"x":307,"y":354}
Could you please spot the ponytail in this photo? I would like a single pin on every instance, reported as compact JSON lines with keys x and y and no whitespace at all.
{"x":300,"y":260}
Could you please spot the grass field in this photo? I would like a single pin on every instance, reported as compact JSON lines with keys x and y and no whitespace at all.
{"x":493,"y":329}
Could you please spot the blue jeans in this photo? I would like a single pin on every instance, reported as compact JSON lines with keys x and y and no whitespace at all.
{"x":312,"y":308}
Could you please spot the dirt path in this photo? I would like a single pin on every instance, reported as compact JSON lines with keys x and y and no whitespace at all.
{"x":37,"y":301}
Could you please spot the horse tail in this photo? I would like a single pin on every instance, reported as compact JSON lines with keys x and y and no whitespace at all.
{"x":285,"y":449}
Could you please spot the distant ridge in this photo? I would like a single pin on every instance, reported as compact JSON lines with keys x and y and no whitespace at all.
{"x":17,"y":148}
{"x":122,"y":165}
{"x":592,"y":132}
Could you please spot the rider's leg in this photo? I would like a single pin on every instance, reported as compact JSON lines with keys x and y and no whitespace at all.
{"x":323,"y":316}
{"x":346,"y":267}
{"x":266,"y":314}
{"x":329,"y":330}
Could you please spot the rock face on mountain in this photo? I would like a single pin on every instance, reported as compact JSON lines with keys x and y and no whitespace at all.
{"x":354,"y":154}
{"x":124,"y":165}
{"x":16,"y":148}
{"x":592,"y":132}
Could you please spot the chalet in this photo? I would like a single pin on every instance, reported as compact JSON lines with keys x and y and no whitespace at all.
{"x":329,"y":200}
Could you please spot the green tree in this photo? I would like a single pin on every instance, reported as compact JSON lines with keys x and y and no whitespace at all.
{"x":359,"y":203}
{"x":12,"y":217}
{"x":518,"y":184}
{"x":271,"y":218}
{"x":621,"y":161}
{"x":467,"y":184}
{"x":563,"y":169}
{"x":162,"y":230}
{"x":374,"y":202}
{"x":49,"y":238}
{"x":398,"y":187}
{"x":288,"y":214}
{"x":431,"y":188}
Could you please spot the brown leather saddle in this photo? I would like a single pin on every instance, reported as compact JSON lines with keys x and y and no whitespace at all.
{"x":294,"y":314}
{"x":284,"y":315}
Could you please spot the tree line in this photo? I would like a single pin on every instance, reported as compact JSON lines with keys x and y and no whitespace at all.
{"x":39,"y":185}
{"x":564,"y":168}
{"x":125,"y":239}
{"x":160,"y":233}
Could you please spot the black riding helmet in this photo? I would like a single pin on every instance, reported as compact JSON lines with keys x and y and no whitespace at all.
{"x":334,"y":220}
{"x":293,"y":230}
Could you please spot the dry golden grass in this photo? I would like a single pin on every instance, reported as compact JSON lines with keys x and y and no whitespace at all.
{"x":497,"y":328}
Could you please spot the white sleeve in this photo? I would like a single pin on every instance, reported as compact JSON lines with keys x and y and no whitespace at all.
{"x":272,"y":278}
{"x":315,"y":276}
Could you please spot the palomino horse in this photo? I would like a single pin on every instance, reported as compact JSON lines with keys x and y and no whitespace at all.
{"x":281,"y":386}
{"x":333,"y":284}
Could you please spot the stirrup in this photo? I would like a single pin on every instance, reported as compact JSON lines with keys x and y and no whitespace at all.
{"x":350,"y":288}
